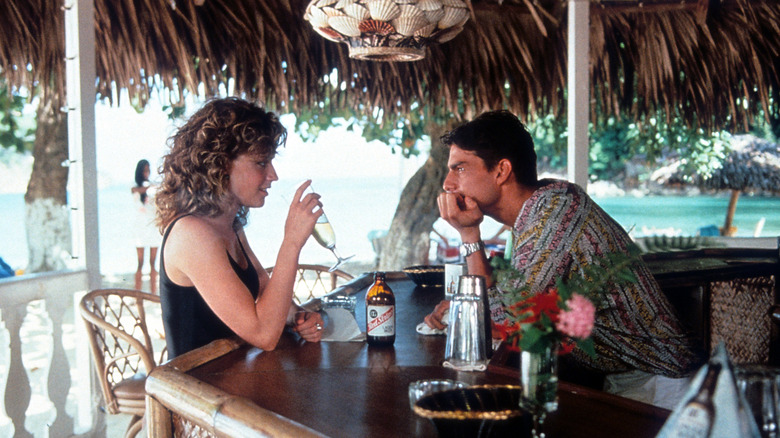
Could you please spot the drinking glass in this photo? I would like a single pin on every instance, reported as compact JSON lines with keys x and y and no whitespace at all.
{"x":759,"y":384}
{"x":420,"y":388}
{"x":539,"y":385}
{"x":346,"y":302}
{"x":324,"y":235}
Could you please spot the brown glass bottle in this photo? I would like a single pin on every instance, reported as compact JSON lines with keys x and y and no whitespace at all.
{"x":698,"y":414}
{"x":380,"y":313}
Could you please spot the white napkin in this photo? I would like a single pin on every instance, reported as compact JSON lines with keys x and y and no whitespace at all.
{"x":341,"y":327}
{"x":476,"y":367}
{"x":424,"y":329}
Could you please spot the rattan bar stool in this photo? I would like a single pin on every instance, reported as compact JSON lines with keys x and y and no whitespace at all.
{"x":122,"y":350}
{"x":314,"y":281}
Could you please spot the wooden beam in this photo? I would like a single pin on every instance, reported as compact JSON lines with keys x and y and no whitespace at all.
{"x":578,"y":91}
{"x":606,"y":7}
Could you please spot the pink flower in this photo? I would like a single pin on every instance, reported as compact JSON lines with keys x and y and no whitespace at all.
{"x":577,"y":322}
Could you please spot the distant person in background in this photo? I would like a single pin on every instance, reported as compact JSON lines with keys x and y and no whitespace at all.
{"x":145,"y":231}
{"x":212,"y":286}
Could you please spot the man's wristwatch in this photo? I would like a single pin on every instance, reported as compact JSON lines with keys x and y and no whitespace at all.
{"x":468,"y":249}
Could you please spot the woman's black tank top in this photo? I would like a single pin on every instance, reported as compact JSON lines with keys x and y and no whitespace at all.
{"x":189,"y":322}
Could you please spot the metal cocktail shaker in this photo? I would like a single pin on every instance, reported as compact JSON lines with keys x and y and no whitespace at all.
{"x":466,"y":333}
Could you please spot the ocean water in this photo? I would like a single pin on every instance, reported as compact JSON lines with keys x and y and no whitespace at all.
{"x":684,"y":215}
{"x":356,"y":206}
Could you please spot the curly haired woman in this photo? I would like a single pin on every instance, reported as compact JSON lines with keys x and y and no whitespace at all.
{"x":211,"y":283}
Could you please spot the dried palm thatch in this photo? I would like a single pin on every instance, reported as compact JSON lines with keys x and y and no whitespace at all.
{"x":714,"y":63}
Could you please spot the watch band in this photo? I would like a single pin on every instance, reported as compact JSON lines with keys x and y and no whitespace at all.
{"x":468,"y":249}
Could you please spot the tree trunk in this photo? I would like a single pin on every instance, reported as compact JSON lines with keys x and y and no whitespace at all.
{"x":408,"y":241}
{"x":47,"y":219}
{"x":728,"y":229}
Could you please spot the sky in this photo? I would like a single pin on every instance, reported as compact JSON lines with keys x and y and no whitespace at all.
{"x":124,"y":136}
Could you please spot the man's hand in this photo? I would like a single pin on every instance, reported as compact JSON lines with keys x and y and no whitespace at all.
{"x":461,"y":212}
{"x":434,"y":319}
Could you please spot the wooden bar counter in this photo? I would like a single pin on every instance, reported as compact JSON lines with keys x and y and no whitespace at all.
{"x":349,"y":389}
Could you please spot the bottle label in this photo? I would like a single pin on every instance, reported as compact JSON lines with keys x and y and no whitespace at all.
{"x":694,"y":422}
{"x":381,"y":320}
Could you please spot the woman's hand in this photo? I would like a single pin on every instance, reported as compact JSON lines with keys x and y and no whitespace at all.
{"x":303,"y":214}
{"x":435,"y":318}
{"x":309,"y":325}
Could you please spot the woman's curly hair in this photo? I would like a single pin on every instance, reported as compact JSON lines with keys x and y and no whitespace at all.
{"x":195,"y":170}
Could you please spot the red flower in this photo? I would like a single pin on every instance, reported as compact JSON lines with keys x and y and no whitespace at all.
{"x":536,"y":305}
{"x":506,"y":330}
{"x":567,"y":346}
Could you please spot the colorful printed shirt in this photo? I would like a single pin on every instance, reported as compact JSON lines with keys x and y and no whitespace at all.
{"x":559,"y":230}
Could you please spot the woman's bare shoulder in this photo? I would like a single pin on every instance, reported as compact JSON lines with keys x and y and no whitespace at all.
{"x":192,"y":232}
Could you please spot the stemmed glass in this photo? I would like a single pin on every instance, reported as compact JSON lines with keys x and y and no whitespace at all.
{"x":324,"y":235}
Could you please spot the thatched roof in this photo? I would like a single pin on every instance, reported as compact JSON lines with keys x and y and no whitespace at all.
{"x":715,"y":62}
{"x":751,"y":163}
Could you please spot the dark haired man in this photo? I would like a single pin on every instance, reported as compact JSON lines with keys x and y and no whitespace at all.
{"x":557,"y":229}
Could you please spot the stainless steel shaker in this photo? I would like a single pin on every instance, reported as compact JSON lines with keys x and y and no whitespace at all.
{"x":466,"y":332}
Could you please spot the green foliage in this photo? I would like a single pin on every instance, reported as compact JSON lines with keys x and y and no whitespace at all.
{"x":614,"y":140}
{"x":768,"y":129}
{"x":175,"y":112}
{"x":549,"y":134}
{"x":17,"y":129}
{"x":610,"y":148}
{"x":400,"y":132}
{"x":655,"y":137}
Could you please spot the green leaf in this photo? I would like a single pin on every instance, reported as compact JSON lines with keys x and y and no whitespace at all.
{"x":587,"y":346}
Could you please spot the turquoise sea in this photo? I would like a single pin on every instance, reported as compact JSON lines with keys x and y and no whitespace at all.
{"x":358,"y":206}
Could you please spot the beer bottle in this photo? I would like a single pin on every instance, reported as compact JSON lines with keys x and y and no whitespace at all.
{"x":380,"y":312}
{"x":698,"y":414}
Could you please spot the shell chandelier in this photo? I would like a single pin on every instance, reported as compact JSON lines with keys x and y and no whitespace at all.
{"x":387,"y":30}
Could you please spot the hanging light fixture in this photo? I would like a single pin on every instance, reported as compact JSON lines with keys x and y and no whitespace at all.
{"x":387,"y":30}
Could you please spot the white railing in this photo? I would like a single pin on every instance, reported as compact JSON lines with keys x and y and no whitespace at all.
{"x":44,"y":358}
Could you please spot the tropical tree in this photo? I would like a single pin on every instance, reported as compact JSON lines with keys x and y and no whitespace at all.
{"x":46,"y":216}
{"x":13,"y":132}
{"x":407,"y":133}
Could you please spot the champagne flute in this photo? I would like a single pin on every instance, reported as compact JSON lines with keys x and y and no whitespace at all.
{"x":324,"y":235}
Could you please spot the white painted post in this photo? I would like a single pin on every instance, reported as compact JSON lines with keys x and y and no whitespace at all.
{"x":80,"y":63}
{"x":82,"y":152}
{"x":578,"y":90}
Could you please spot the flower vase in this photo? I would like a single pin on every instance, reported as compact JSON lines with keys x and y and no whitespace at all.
{"x":539,"y":385}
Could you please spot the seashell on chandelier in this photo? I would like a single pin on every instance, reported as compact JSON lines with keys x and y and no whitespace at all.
{"x":387,"y":30}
